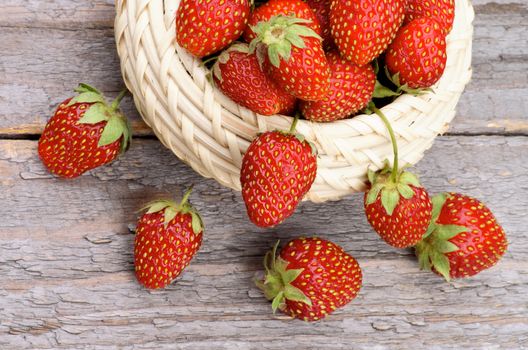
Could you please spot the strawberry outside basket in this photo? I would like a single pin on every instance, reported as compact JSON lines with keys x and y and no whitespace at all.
{"x":210,"y":132}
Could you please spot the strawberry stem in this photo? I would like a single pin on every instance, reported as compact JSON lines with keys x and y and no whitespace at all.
{"x":186,"y":196}
{"x":395,"y":166}
{"x":294,"y":124}
{"x":274,"y":254}
{"x":115,"y":103}
{"x":209,"y":60}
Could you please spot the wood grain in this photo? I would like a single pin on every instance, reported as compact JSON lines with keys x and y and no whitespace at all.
{"x":48,"y":46}
{"x":67,"y":266}
{"x":66,"y":246}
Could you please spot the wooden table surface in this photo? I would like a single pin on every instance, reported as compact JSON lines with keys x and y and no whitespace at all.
{"x":66,"y":262}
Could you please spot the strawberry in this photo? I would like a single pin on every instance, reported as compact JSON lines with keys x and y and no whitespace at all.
{"x":310,"y":279}
{"x":278,"y":169}
{"x":418,"y":54}
{"x":294,"y":8}
{"x":396,"y":205}
{"x":363,"y":29}
{"x":168,"y":236}
{"x":464,"y":237}
{"x":351,"y":88}
{"x":321,"y":8}
{"x":84,"y":133}
{"x":238,"y":74}
{"x":293,"y":56}
{"x":443,"y":11}
{"x":205,"y":27}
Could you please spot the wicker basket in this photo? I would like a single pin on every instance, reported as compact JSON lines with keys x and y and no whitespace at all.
{"x":210,"y":132}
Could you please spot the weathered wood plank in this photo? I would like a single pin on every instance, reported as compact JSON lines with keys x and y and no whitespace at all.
{"x":67,"y":267}
{"x":47,"y":47}
{"x":58,"y":14}
{"x":40,"y":68}
{"x":76,"y":14}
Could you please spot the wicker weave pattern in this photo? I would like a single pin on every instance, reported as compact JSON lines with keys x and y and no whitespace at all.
{"x":210,"y":132}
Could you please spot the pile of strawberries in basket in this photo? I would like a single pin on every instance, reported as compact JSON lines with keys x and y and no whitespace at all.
{"x":322,"y":55}
{"x":316,"y":55}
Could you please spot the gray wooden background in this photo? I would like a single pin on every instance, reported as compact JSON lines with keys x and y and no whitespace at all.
{"x":66,"y":263}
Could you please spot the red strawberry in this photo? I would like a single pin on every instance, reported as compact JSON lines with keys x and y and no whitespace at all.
{"x":293,"y":57}
{"x":443,"y":11}
{"x":351,"y":88}
{"x":84,"y":133}
{"x":168,"y":236}
{"x":278,"y":169}
{"x":310,"y":279}
{"x":294,"y":8}
{"x":363,"y":29}
{"x":239,"y":75}
{"x":205,"y":27}
{"x":408,"y":221}
{"x":464,"y":237}
{"x":321,"y":8}
{"x":397,"y":206}
{"x":418,"y":54}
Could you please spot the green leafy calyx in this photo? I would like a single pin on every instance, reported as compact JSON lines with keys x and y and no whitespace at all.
{"x":435,"y":244}
{"x":381,"y":91}
{"x":277,"y":285}
{"x":389,"y":190}
{"x":395,"y":79}
{"x":279,"y":34}
{"x":171,"y":209}
{"x":117,"y":124}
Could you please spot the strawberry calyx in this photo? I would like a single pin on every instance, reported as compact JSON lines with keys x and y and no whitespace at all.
{"x":117,"y":124}
{"x":277,"y":285}
{"x":300,"y":137}
{"x":279,"y":34}
{"x":432,"y":249}
{"x":390,"y":182}
{"x":400,"y":89}
{"x":390,"y":191}
{"x":380,"y":90}
{"x":171,"y":209}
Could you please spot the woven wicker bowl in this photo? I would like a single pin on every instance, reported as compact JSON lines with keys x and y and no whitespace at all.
{"x":211,"y":133}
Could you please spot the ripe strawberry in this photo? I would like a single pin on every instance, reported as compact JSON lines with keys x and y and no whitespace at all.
{"x":464,"y":237}
{"x":205,"y":27}
{"x":397,"y":206}
{"x":84,"y":133}
{"x":294,"y":8}
{"x":443,"y":11}
{"x":168,"y":236}
{"x":418,"y":54}
{"x":239,"y":75}
{"x":351,"y":88}
{"x":407,"y":222}
{"x":363,"y":29}
{"x":310,"y":279}
{"x":321,"y":8}
{"x":278,"y":169}
{"x":293,"y":56}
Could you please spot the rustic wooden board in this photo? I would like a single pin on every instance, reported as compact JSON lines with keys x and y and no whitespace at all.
{"x":67,"y":266}
{"x":48,"y":46}
{"x":66,"y":246}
